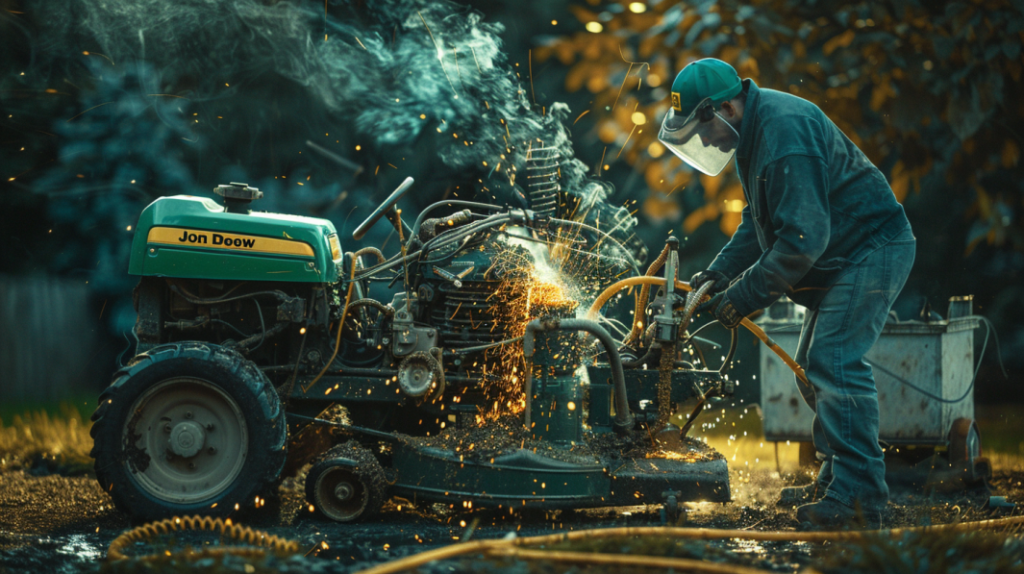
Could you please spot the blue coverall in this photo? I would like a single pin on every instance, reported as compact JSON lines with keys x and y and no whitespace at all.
{"x":823,"y":227}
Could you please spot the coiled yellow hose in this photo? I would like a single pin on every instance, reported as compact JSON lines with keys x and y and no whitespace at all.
{"x":262,"y":540}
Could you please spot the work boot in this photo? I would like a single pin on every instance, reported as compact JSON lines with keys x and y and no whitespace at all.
{"x":830,"y":514}
{"x":798,"y":495}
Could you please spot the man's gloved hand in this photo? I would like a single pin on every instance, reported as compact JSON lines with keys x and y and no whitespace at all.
{"x":721,"y":308}
{"x":721,"y":281}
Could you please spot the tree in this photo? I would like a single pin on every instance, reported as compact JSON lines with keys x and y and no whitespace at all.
{"x":929,"y":91}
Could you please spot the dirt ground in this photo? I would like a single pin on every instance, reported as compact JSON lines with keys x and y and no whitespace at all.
{"x":63,"y":524}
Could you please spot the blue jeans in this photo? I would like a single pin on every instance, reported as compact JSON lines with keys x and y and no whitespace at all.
{"x":835,"y":336}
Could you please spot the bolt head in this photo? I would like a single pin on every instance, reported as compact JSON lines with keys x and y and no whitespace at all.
{"x":210,"y":426}
{"x":191,"y":466}
{"x":167,"y":429}
{"x":211,"y":450}
{"x":188,"y":414}
{"x":343,"y":491}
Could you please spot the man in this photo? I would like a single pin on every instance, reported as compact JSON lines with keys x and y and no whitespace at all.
{"x":822,"y":226}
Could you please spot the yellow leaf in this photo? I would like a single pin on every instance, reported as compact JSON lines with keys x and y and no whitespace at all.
{"x":577,"y":75}
{"x":658,"y":208}
{"x":729,"y":222}
{"x":900,"y":186}
{"x":841,"y":41}
{"x":710,"y":185}
{"x":698,"y":217}
{"x":1011,"y":153}
{"x":879,"y":94}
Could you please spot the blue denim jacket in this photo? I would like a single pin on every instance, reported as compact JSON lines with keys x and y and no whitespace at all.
{"x":815,"y":204}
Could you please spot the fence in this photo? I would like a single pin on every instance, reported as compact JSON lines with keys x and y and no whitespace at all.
{"x":48,"y":339}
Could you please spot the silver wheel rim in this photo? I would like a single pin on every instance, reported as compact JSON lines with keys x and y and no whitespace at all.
{"x":192,"y":437}
{"x":340,"y":495}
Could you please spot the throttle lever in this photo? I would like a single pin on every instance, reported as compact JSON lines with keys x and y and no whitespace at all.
{"x":383,"y":209}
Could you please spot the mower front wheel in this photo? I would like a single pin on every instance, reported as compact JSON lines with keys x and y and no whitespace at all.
{"x":188,"y":428}
{"x":346,"y":484}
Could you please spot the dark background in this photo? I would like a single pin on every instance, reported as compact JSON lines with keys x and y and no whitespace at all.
{"x":105,"y":108}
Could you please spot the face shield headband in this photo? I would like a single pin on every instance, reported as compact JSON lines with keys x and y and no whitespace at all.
{"x":704,"y":139}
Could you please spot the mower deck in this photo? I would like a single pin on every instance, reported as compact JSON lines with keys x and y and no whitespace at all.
{"x":559,"y":478}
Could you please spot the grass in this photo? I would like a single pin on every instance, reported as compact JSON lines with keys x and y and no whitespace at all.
{"x":933,"y":553}
{"x":59,"y":441}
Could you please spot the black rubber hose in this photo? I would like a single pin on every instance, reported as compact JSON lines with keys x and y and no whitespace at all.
{"x":415,"y":231}
{"x":372,"y":303}
{"x":733,"y":336}
{"x":623,"y":421}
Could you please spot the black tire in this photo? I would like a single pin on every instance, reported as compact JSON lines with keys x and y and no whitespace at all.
{"x":254,"y":449}
{"x":353,"y":468}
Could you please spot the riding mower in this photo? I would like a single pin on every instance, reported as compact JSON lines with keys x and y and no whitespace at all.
{"x":260,"y":352}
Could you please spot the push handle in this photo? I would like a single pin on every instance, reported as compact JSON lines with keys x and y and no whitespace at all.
{"x":383,"y":208}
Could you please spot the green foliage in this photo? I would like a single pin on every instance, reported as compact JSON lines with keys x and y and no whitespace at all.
{"x":930,"y":91}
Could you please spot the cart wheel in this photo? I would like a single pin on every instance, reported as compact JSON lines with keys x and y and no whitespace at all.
{"x":186,"y":428}
{"x":347,"y":483}
{"x":964,"y":442}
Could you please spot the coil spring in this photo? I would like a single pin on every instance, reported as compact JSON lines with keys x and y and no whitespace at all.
{"x":237,"y":532}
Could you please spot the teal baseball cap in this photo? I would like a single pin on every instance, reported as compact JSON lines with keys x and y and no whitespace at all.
{"x":706,"y":79}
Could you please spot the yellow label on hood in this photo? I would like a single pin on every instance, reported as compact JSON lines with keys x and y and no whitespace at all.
{"x":230,"y":241}
{"x":676,"y":102}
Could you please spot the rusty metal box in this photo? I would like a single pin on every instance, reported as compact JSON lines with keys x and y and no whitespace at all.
{"x":937,"y":356}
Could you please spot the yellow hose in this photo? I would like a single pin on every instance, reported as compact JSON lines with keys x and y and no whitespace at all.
{"x":236,"y":532}
{"x":660,"y":281}
{"x":344,"y":310}
{"x":640,"y":307}
{"x":628,"y":282}
{"x":502,"y":546}
{"x":625,"y":560}
{"x":760,"y":334}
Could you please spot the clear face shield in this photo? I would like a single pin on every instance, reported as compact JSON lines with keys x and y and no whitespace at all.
{"x":704,"y":140}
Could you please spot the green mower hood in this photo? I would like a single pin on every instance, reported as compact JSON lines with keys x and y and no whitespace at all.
{"x":194,"y":237}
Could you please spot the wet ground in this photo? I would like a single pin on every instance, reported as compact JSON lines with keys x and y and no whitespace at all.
{"x":64,"y":524}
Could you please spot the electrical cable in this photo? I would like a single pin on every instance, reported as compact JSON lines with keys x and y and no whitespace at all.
{"x":244,"y":343}
{"x":281,"y":296}
{"x":394,"y":261}
{"x":235,"y":329}
{"x":415,"y":231}
{"x":984,"y":347}
{"x":626,"y":560}
{"x":446,"y":239}
{"x":733,"y":336}
{"x":501,"y":545}
{"x":341,"y":321}
{"x":286,"y":389}
{"x":614,"y":288}
{"x":263,"y":326}
{"x":466,"y":350}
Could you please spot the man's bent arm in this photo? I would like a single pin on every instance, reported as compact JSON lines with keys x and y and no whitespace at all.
{"x":797,"y":193}
{"x":741,"y":251}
